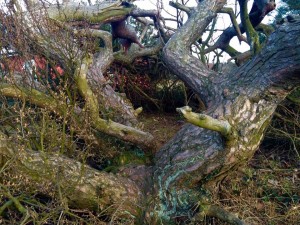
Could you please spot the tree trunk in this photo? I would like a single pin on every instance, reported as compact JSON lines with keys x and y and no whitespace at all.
{"x":198,"y":158}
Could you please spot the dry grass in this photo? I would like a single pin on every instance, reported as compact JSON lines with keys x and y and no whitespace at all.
{"x":266,"y":191}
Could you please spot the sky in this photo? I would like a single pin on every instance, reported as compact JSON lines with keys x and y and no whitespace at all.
{"x":223,"y":21}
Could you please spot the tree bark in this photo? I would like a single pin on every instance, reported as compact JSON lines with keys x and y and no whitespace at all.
{"x":198,"y":158}
{"x":82,"y":186}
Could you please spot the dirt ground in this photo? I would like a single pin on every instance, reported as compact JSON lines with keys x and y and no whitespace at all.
{"x":161,"y":125}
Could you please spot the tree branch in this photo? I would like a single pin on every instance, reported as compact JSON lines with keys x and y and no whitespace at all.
{"x":256,"y":15}
{"x":205,"y":121}
{"x":136,"y":12}
{"x":177,"y":55}
{"x":117,"y":130}
{"x":252,"y":35}
{"x":218,"y":212}
{"x":184,"y":8}
{"x":100,"y":13}
{"x":92,"y":107}
{"x":134,"y":53}
{"x":230,"y":12}
{"x":83,"y":186}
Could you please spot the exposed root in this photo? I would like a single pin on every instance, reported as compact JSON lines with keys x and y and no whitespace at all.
{"x":218,"y":212}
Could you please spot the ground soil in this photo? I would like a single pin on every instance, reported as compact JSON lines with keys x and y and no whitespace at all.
{"x":161,"y":125}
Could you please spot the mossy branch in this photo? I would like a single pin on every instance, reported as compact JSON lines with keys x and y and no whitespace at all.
{"x":230,"y":12}
{"x":15,"y":200}
{"x":205,"y":121}
{"x":5,"y":206}
{"x":100,"y":13}
{"x":218,"y":212}
{"x":82,"y":83}
{"x":118,"y":130}
{"x":252,"y":36}
{"x":83,"y":186}
{"x":33,"y":96}
{"x":264,"y":28}
{"x":42,"y":100}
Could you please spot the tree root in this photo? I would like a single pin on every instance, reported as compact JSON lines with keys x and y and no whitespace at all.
{"x":218,"y":212}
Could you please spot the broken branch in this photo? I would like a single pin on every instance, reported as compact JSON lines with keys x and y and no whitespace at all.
{"x":205,"y":121}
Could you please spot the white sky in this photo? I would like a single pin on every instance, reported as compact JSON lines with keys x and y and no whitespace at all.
{"x":223,"y":21}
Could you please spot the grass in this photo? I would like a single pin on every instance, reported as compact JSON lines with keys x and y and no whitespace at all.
{"x":265,"y":192}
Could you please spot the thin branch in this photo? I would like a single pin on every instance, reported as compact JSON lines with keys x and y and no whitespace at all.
{"x":230,"y":12}
{"x":5,"y":205}
{"x":15,"y":200}
{"x":184,"y":8}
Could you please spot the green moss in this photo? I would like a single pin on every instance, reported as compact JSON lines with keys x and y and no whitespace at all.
{"x":231,"y":51}
{"x":295,"y":96}
{"x":127,"y":158}
{"x":97,"y":17}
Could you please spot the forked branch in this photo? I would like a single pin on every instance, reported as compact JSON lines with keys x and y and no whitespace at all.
{"x":230,"y":12}
{"x":131,"y":134}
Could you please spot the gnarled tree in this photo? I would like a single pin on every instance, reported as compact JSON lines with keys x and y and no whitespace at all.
{"x":239,"y":105}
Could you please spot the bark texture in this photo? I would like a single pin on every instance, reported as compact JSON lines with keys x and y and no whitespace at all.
{"x":84,"y":187}
{"x":246,"y":98}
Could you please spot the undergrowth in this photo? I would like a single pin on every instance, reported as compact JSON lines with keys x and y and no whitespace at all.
{"x":266,"y":191}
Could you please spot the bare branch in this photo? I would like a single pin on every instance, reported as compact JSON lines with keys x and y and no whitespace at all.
{"x":258,"y":11}
{"x":102,"y":13}
{"x":184,"y":8}
{"x":133,"y":53}
{"x":145,"y":13}
{"x":205,"y":121}
{"x":230,"y":12}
